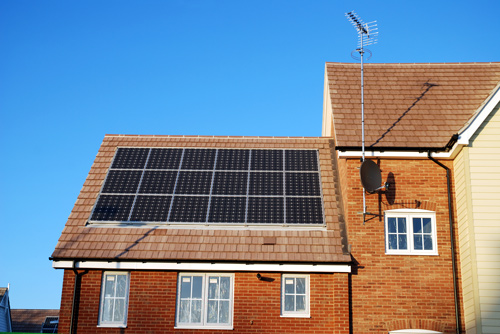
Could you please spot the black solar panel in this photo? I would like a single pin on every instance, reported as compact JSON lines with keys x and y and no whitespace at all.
{"x":301,"y":160}
{"x":194,"y":183}
{"x":165,"y":158}
{"x":233,"y":159}
{"x":122,"y":182}
{"x":302,"y":184}
{"x":189,"y":209}
{"x":158,"y":182}
{"x":265,"y":210}
{"x":304,"y":210}
{"x":113,"y":207}
{"x":151,"y":208}
{"x":230,"y":183}
{"x":179,"y":185}
{"x":267,"y":160}
{"x":262,"y":183}
{"x":227,"y":210}
{"x":130,"y":158}
{"x":198,"y":159}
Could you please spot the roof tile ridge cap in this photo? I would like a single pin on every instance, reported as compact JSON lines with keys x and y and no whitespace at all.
{"x":215,"y":136}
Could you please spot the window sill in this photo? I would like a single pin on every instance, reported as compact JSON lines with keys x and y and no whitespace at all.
{"x":229,"y":328}
{"x":412,"y":254}
{"x":112,"y":326}
{"x":295,"y":315}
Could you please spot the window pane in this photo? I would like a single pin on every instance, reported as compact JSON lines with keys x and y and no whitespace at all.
{"x":107,"y":310}
{"x":301,"y":285}
{"x":417,"y":225}
{"x":119,"y":314}
{"x":289,"y":302}
{"x":109,"y":286}
{"x":212,"y":311}
{"x":427,"y":242}
{"x":402,"y":241}
{"x":185,"y":287}
{"x":197,"y":286}
{"x":196,"y":311}
{"x":224,"y":312}
{"x":225,"y":286}
{"x":289,"y":285}
{"x":301,"y":303}
{"x":184,"y":311}
{"x":427,"y":225}
{"x":121,"y":285}
{"x":391,"y":225}
{"x":393,"y":241}
{"x":402,"y":225}
{"x":417,"y":241}
{"x":213,"y":287}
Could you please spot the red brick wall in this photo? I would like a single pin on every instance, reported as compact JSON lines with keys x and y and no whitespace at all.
{"x":391,"y":292}
{"x":256,"y":304}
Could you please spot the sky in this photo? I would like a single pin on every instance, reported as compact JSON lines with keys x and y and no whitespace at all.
{"x":73,"y":71}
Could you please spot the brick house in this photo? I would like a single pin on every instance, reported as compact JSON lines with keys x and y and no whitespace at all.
{"x":422,"y":123}
{"x":264,"y":234}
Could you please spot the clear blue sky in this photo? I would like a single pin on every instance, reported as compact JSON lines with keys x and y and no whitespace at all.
{"x":72,"y":71}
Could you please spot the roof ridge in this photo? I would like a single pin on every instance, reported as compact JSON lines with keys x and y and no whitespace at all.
{"x":217,"y":137}
{"x":423,"y":63}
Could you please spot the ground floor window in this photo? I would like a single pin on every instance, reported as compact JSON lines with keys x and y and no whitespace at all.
{"x":205,"y":300}
{"x":114,"y":299}
{"x":295,"y":295}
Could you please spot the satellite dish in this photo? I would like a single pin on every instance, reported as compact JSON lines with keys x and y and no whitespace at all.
{"x":370,"y":175}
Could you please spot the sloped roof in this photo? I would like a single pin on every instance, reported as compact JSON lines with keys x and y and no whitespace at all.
{"x":80,"y":240}
{"x":30,"y":320}
{"x":407,"y":105}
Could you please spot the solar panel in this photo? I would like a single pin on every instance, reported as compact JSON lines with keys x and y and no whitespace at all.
{"x":267,"y":160}
{"x":212,"y":186}
{"x":165,"y":158}
{"x":230,"y":183}
{"x":130,"y":158}
{"x":189,"y":209}
{"x":158,"y":182}
{"x":227,"y":210}
{"x":302,"y":184}
{"x":151,"y":208}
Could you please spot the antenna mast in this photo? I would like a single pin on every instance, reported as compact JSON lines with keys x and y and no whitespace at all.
{"x":367,"y":34}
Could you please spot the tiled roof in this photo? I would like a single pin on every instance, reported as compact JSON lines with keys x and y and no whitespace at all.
{"x":407,"y":105}
{"x":82,"y":241}
{"x":30,"y":320}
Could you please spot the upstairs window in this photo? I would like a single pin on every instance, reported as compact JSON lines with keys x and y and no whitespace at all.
{"x":205,"y":301}
{"x":411,"y":232}
{"x":295,"y":296}
{"x":114,"y":299}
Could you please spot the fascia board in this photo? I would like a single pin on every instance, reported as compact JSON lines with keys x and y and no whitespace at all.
{"x":402,"y":154}
{"x":202,"y":266}
{"x":466,"y":133}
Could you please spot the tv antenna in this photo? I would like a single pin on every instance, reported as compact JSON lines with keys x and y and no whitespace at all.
{"x":369,"y":171}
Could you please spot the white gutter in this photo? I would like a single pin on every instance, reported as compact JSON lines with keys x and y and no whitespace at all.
{"x":402,"y":154}
{"x":202,"y":266}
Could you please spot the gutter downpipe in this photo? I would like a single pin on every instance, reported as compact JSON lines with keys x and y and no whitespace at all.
{"x":76,"y":299}
{"x":452,"y":242}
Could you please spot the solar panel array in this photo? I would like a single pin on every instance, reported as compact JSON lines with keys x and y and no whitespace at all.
{"x":211,"y":186}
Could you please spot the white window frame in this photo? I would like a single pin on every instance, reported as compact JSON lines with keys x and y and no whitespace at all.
{"x":409,"y":214}
{"x":295,"y":314}
{"x":106,"y":276}
{"x":204,"y":301}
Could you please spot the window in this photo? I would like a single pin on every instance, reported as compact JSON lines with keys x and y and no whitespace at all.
{"x":205,"y":301}
{"x":114,"y":299}
{"x":295,"y":295}
{"x":410,"y":232}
